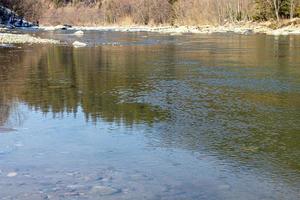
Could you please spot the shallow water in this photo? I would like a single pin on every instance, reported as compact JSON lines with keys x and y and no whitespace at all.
{"x":151,"y":116}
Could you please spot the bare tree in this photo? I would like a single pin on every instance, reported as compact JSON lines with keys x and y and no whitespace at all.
{"x":276,"y":6}
{"x":292,"y":7}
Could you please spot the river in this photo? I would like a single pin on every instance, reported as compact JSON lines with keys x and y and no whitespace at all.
{"x":151,"y":116}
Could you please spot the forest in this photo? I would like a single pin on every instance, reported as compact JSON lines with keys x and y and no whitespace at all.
{"x":153,"y":12}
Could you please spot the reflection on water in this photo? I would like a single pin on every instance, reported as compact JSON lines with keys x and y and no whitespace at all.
{"x":212,"y":116}
{"x":63,"y":80}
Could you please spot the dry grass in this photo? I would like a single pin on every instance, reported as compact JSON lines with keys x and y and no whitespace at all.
{"x":125,"y":12}
{"x":142,"y":12}
{"x":71,"y":15}
{"x":199,"y":12}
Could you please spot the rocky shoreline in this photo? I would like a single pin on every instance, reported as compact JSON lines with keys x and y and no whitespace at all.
{"x":246,"y":28}
{"x":7,"y":37}
{"x":9,"y":21}
{"x":10,"y":38}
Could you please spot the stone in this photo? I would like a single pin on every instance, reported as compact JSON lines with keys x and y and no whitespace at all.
{"x":79,"y":33}
{"x":59,"y":27}
{"x":104,"y":190}
{"x":78,"y":44}
{"x":248,"y":32}
{"x":12,"y":174}
{"x":75,"y":187}
{"x":224,"y":187}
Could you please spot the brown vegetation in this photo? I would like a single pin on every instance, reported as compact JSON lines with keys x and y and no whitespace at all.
{"x":181,"y":12}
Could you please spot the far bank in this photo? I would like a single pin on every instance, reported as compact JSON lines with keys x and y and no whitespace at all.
{"x":284,"y":27}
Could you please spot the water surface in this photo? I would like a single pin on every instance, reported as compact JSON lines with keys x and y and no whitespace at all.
{"x":151,"y":116}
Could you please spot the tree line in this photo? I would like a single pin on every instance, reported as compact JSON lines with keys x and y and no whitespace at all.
{"x":188,"y":12}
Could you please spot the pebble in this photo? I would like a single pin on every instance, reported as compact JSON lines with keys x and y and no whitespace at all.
{"x":19,"y":145}
{"x":12,"y":174}
{"x":104,"y":190}
{"x":74,"y":187}
{"x":224,"y":187}
{"x":47,"y":197}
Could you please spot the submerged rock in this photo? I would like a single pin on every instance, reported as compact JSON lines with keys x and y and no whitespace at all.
{"x":4,"y":129}
{"x":104,"y":190}
{"x":12,"y":174}
{"x":224,"y":187}
{"x":78,"y":44}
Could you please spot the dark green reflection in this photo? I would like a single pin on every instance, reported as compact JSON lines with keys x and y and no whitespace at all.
{"x":63,"y":79}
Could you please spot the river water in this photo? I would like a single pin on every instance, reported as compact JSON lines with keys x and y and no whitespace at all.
{"x":151,"y":116}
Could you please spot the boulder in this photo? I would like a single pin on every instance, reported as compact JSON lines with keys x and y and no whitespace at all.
{"x":10,"y":19}
{"x":79,"y":33}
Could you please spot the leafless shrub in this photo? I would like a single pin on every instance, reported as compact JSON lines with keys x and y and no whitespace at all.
{"x":79,"y":15}
{"x":183,"y":12}
{"x":30,"y":9}
{"x":139,"y":11}
{"x":151,"y":11}
{"x":115,"y":10}
{"x":211,"y":11}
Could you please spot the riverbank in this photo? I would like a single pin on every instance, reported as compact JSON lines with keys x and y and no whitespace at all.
{"x":245,"y":28}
